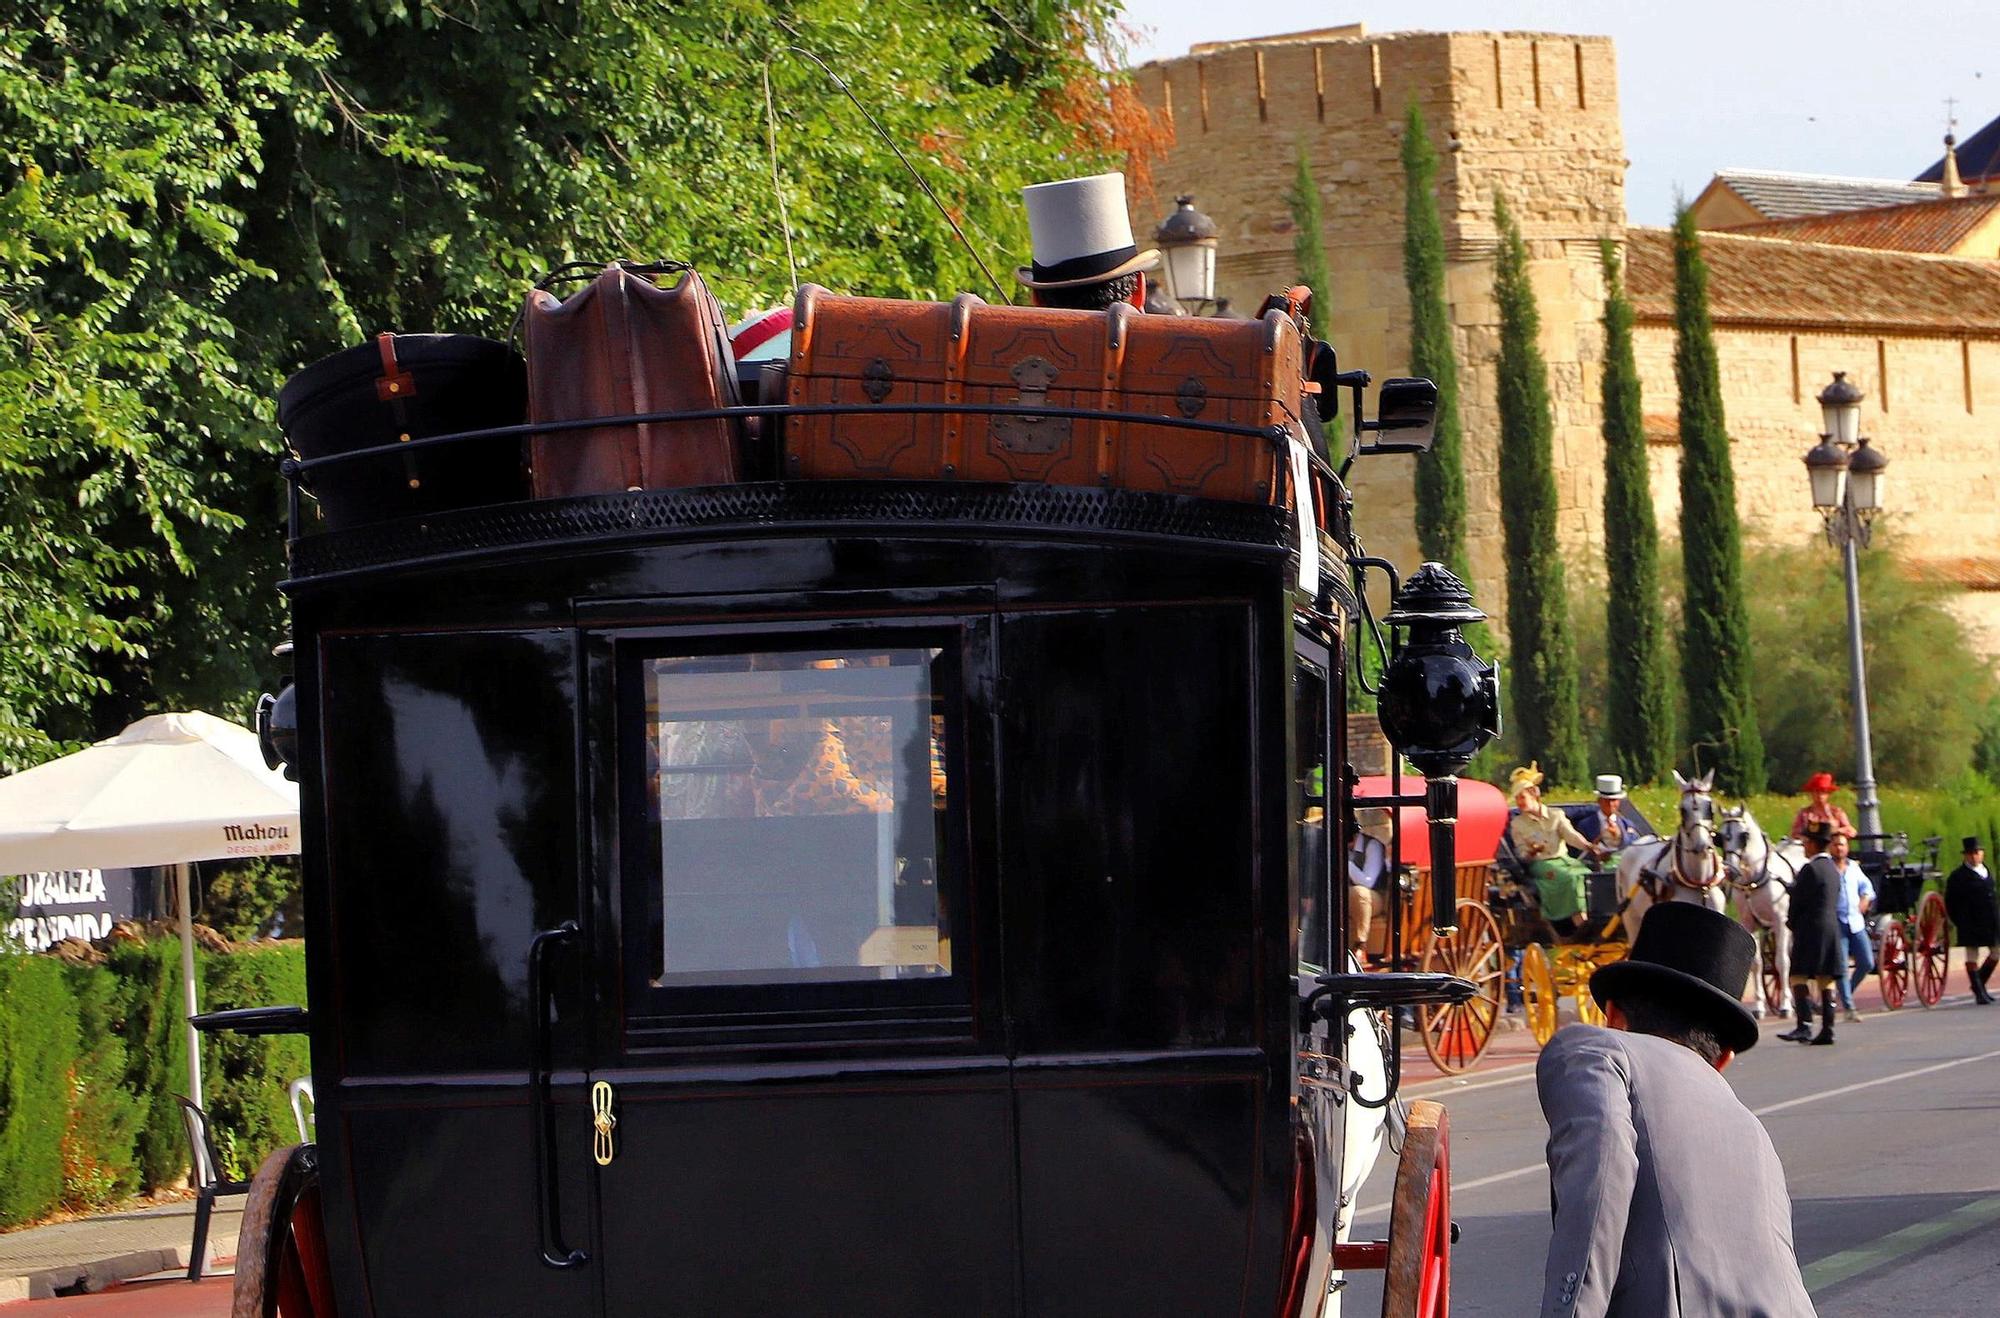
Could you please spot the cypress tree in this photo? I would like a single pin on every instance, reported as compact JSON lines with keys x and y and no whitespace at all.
{"x":1309,"y":242}
{"x":1543,"y":672}
{"x":1440,"y":476}
{"x":1640,"y":707}
{"x":1715,"y":631}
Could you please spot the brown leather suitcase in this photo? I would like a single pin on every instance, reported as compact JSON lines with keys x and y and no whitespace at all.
{"x":625,"y":345}
{"x":877,"y":352}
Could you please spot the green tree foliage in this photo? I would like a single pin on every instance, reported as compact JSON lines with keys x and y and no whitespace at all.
{"x":1722,"y":726}
{"x":1543,"y":672}
{"x":1640,"y":708}
{"x":199,"y":196}
{"x":258,"y":898}
{"x":1309,"y":242}
{"x":1440,"y":477}
{"x":1929,"y":689}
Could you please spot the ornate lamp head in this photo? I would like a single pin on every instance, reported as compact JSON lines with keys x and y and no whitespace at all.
{"x":1439,"y":701}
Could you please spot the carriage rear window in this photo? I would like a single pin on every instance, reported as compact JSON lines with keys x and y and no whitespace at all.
{"x":798,"y":799}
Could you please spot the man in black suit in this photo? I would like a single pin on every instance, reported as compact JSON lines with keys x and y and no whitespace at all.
{"x":1819,"y":951}
{"x":1975,"y":917}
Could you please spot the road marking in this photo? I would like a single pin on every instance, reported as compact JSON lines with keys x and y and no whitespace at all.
{"x":1460,"y":1187}
{"x":1452,"y":1085}
{"x":1836,"y":1268}
{"x":1870,"y":1084}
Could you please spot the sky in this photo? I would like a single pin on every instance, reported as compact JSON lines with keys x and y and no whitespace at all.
{"x":1830,"y":87}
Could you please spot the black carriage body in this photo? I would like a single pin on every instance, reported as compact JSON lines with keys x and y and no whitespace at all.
{"x":1050,"y":1070}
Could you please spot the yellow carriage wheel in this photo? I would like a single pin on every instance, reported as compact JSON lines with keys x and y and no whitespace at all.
{"x":1600,"y":954}
{"x":1587,"y":1009}
{"x":1538,"y":993}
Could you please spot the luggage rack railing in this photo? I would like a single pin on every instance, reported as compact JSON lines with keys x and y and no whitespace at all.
{"x":1278,"y":435}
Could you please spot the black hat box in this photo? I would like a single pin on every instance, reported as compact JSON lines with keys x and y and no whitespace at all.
{"x":401,"y":387}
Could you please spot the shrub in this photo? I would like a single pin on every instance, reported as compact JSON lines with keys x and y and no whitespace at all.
{"x":38,"y":1042}
{"x":100,"y":1140}
{"x":252,"y":899}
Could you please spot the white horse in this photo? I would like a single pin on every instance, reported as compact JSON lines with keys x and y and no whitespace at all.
{"x":1760,"y":875}
{"x":1683,"y":868}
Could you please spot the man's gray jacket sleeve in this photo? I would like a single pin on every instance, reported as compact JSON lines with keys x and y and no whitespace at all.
{"x":1585,"y":1088}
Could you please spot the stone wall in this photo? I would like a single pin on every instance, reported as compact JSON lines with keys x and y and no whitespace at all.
{"x":1534,"y":115}
{"x":1537,"y":116}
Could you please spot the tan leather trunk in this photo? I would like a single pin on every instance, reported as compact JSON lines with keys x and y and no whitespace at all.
{"x":624,"y":345}
{"x":876,"y":353}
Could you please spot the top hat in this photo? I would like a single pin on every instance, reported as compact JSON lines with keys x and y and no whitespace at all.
{"x":1820,"y":831}
{"x":1820,"y":782}
{"x":1695,"y":958}
{"x":1531,"y":776}
{"x":1081,"y":233}
{"x":1611,"y":786}
{"x":1972,"y":844}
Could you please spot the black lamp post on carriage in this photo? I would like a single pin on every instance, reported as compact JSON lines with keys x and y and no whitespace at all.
{"x":1848,"y":509}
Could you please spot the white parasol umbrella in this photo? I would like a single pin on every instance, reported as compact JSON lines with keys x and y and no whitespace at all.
{"x":171,"y":789}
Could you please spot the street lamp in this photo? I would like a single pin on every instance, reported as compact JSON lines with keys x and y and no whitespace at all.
{"x":1187,"y":239}
{"x":1848,"y":509}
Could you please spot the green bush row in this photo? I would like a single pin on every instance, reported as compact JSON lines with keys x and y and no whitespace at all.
{"x":92,"y":1058}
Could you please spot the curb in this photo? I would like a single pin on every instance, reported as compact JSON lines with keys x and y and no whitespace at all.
{"x":89,"y":1278}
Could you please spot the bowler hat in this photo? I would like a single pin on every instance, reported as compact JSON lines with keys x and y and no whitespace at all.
{"x":1695,"y":958}
{"x":1972,"y":844}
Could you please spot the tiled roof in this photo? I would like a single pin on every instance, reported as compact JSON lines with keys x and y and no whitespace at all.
{"x":1978,"y":156}
{"x":1777,"y":195}
{"x":1966,"y":573}
{"x":1938,"y":225}
{"x":1775,"y":283}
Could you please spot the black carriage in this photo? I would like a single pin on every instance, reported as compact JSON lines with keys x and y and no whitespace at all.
{"x":1907,"y":924}
{"x":832,"y":897}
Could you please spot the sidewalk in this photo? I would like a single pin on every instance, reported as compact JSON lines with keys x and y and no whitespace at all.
{"x":91,"y":1253}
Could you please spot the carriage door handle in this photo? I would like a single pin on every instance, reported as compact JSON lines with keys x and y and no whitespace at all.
{"x":548,"y":1201}
{"x":603,"y":1124}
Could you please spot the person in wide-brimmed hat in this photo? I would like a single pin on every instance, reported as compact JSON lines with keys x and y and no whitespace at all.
{"x":1539,"y":837}
{"x":1663,"y":1185}
{"x":1819,"y":790}
{"x":1970,"y":901}
{"x":1084,"y":256}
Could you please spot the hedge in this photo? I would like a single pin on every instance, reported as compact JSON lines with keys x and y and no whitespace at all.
{"x":92,"y":1057}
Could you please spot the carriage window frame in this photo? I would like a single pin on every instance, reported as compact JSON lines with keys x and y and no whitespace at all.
{"x":1309,"y":663}
{"x":779,"y":1011}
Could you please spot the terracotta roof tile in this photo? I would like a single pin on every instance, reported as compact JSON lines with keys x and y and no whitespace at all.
{"x":1778,"y":195}
{"x":1924,"y":226}
{"x":1775,"y":283}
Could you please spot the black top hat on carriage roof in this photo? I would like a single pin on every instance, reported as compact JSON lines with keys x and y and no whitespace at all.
{"x":1699,"y":960}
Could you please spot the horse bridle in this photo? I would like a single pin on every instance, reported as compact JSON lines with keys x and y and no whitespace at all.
{"x":1764,"y":875}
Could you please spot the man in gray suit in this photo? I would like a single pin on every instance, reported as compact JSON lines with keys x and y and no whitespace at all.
{"x":1667,"y":1195}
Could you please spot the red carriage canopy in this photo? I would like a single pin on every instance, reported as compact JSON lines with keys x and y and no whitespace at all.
{"x":1482,"y":818}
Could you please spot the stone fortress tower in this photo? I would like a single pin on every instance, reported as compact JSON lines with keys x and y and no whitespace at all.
{"x":1535,"y":116}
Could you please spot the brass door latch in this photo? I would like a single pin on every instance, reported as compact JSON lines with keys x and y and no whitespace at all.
{"x":603,"y":1123}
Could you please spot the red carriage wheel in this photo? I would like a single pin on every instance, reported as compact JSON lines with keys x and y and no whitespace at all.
{"x":1416,"y":1279}
{"x":1931,"y":950}
{"x":1895,"y":962}
{"x":1775,"y":991}
{"x":1456,"y":1034}
{"x":282,"y":1269}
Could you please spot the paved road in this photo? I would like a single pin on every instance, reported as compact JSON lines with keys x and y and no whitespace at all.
{"x":1891,"y":1146}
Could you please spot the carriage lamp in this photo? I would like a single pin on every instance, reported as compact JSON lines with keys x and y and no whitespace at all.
{"x":1439,"y":703}
{"x":1848,"y":507}
{"x":1187,"y":239}
{"x":1840,"y":409}
{"x":278,"y":724}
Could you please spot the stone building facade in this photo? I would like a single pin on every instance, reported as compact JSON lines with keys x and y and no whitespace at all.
{"x":1535,"y":116}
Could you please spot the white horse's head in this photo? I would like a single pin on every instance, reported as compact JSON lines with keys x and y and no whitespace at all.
{"x":1741,"y":841}
{"x":1697,"y":830}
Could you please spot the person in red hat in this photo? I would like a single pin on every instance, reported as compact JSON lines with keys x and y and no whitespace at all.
{"x":1819,"y":790}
